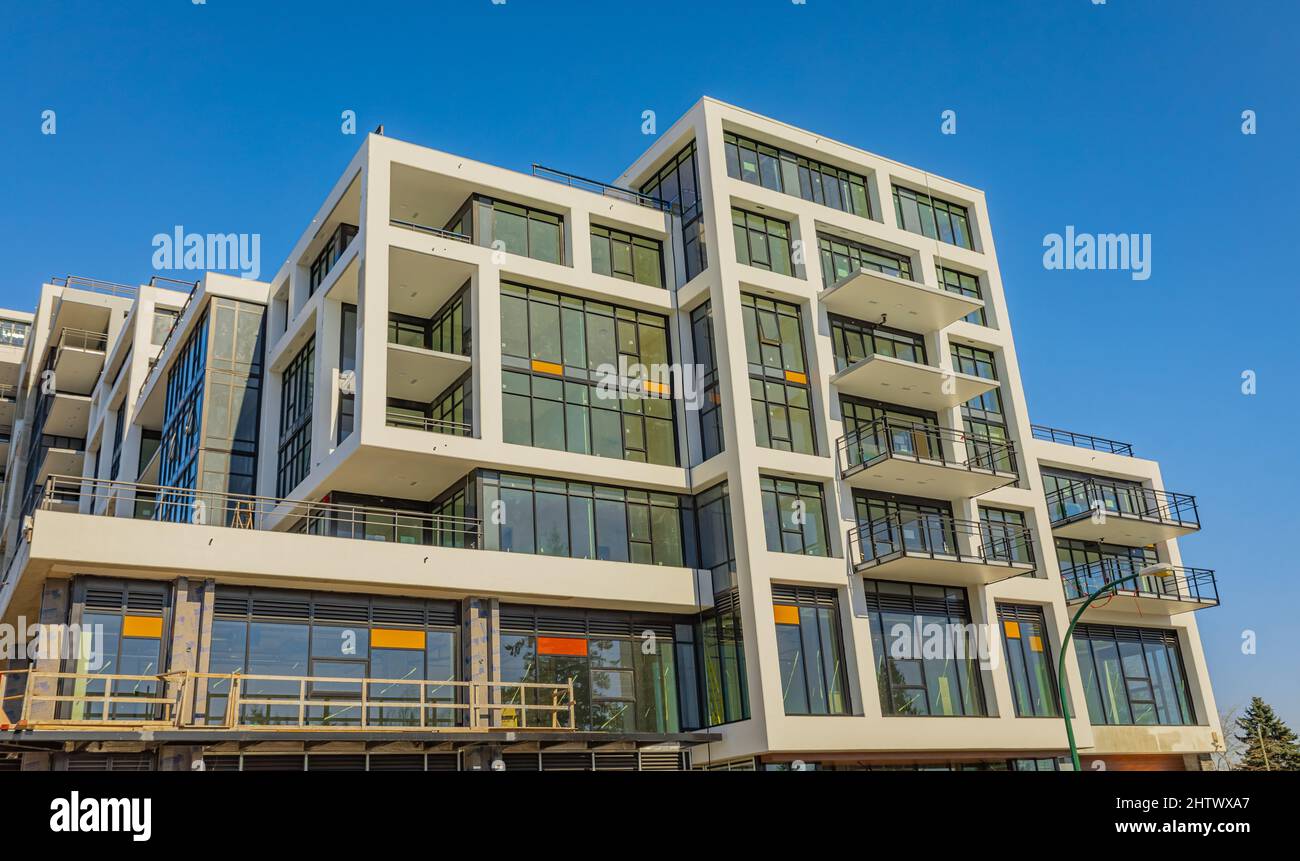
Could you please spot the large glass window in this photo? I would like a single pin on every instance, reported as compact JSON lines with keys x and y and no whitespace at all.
{"x":784,"y":171}
{"x":955,"y":281}
{"x":717,"y":553}
{"x":553,"y":517}
{"x":447,"y":331}
{"x":809,"y":650}
{"x":627,"y":256}
{"x":778,"y":375}
{"x":133,"y":620}
{"x":1029,"y":660}
{"x":1133,"y":675}
{"x":347,"y":364}
{"x":568,"y":378}
{"x":1002,"y":532}
{"x":709,"y":413}
{"x":843,"y":257}
{"x":678,"y":183}
{"x":987,"y":435}
{"x":295,"y":419}
{"x":918,"y":212}
{"x":400,"y":643}
{"x":624,"y":670}
{"x":915,"y":679}
{"x":333,"y":249}
{"x":794,"y":516}
{"x":872,"y":428}
{"x":855,"y":340}
{"x":761,"y":241}
{"x":513,"y":228}
{"x":721,"y":645}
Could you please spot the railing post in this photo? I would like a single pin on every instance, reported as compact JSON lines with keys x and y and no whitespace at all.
{"x":572,"y":713}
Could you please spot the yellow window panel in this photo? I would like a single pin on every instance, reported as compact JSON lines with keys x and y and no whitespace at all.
{"x":1035,"y":644}
{"x":142,"y":626}
{"x":396,"y":638}
{"x":547,"y":367}
{"x":1012,"y":630}
{"x":785,"y":614}
{"x":796,"y":377}
{"x":656,"y":388}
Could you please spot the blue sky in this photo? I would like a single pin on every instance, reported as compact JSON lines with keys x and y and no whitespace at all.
{"x":1122,"y":117}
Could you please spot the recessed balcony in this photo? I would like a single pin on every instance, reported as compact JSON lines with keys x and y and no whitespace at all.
{"x":869,"y":295}
{"x":396,"y":418}
{"x":924,"y":459}
{"x":929,"y":548}
{"x":1181,"y":591}
{"x":79,"y":359}
{"x":912,"y":384}
{"x":419,"y":374}
{"x":59,"y":460}
{"x":1112,"y":513}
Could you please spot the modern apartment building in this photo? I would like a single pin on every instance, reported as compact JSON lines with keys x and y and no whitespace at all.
{"x":726,"y":464}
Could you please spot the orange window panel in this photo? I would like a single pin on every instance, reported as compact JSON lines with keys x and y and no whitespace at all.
{"x":142,"y":626}
{"x":1012,"y":630}
{"x":396,"y":638}
{"x":575,"y":646}
{"x":1035,"y":644}
{"x":657,"y":388}
{"x":796,"y":377}
{"x":785,"y":614}
{"x":547,"y":367}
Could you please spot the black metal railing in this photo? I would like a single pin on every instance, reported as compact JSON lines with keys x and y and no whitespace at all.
{"x":1184,"y":584}
{"x":603,"y":188}
{"x":1081,"y":440}
{"x":187,"y":506}
{"x":422,"y":423}
{"x":1079,"y":499}
{"x":936,"y":536}
{"x":924,"y":443}
{"x":433,"y":231}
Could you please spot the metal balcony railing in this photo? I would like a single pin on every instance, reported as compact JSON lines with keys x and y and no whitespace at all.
{"x":916,"y":441}
{"x":181,"y":505}
{"x":935,"y":536}
{"x":95,"y":285}
{"x":82,"y":339}
{"x":434,"y":231}
{"x":401,"y":420}
{"x":1079,"y":499}
{"x":1081,"y":440}
{"x":598,"y":187}
{"x":1197,"y":585}
{"x":34,"y":700}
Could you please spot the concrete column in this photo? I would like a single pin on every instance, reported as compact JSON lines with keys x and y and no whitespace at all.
{"x":481,"y":644}
{"x":55,"y":601}
{"x":186,"y":641}
{"x":37,"y":762}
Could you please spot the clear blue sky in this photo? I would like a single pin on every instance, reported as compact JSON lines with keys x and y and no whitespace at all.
{"x":1123,"y":117}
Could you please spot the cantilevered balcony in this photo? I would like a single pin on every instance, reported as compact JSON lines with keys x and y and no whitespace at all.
{"x":930,"y":548}
{"x":899,"y":381}
{"x":1101,"y":511}
{"x":892,"y":455}
{"x":79,"y":359}
{"x":1180,"y":591}
{"x":869,"y":295}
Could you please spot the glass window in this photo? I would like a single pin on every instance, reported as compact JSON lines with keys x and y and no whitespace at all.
{"x":567,"y":381}
{"x":778,"y":380}
{"x":784,"y":171}
{"x":677,"y":183}
{"x":967,"y":285}
{"x":794,"y":516}
{"x":297,"y":391}
{"x":709,"y":412}
{"x":1029,"y":660}
{"x":918,"y":212}
{"x":626,"y":256}
{"x":915,"y":680}
{"x":809,"y":651}
{"x":761,"y":241}
{"x":855,"y":340}
{"x":1133,"y":675}
{"x":843,"y":257}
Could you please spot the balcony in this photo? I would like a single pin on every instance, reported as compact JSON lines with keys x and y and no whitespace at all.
{"x":891,"y":455}
{"x":79,"y":359}
{"x":419,"y":374}
{"x":1102,"y":511}
{"x":67,"y":414}
{"x":868,"y":295}
{"x":930,"y":548}
{"x":1184,"y":590}
{"x":899,"y":381}
{"x":8,"y":400}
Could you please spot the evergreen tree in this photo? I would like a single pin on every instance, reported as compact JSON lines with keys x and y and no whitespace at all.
{"x":1269,"y":743}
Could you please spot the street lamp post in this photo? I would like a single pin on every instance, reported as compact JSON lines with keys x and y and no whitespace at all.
{"x":1160,"y":569}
